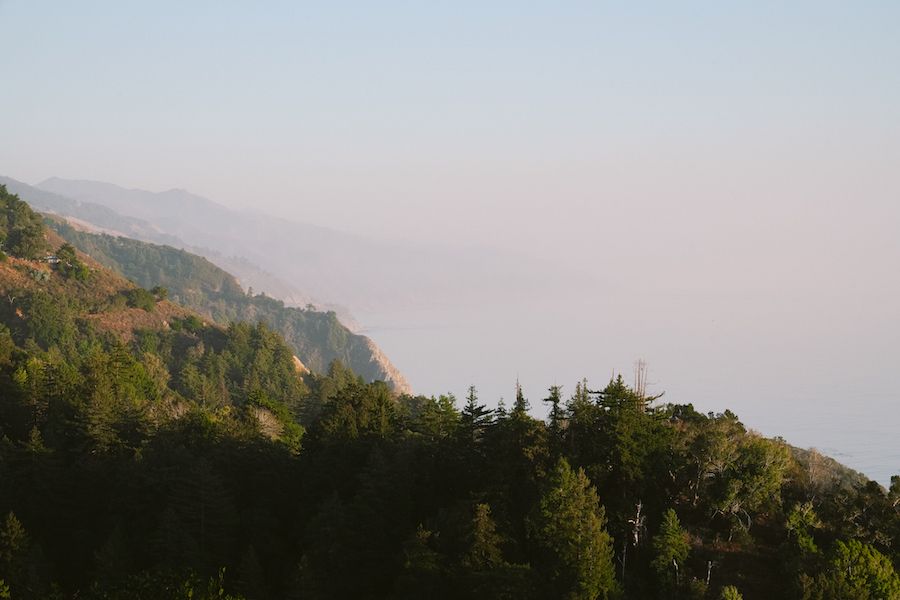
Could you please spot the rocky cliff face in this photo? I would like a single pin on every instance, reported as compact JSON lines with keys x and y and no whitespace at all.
{"x":368,"y":360}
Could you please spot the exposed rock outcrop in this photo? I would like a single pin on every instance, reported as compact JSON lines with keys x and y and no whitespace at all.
{"x":301,"y":368}
{"x":368,"y":360}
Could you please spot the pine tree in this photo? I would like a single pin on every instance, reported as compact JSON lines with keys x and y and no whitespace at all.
{"x":474,"y":419}
{"x":568,"y":529}
{"x":556,"y":412}
{"x":31,"y":384}
{"x":520,"y":408}
{"x":482,"y":541}
{"x":671,"y":550}
{"x":16,"y":567}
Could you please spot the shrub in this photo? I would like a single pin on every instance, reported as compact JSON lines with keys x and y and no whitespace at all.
{"x":80,"y":272}
{"x":729,"y":592}
{"x":161,"y":293}
{"x":117,"y":303}
{"x":141,"y":298}
{"x":193,"y":323}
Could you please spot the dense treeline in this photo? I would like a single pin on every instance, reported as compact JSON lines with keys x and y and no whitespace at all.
{"x":145,"y":453}
{"x":418,"y":498}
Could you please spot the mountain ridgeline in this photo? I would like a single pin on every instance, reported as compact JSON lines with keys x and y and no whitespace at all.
{"x":150,"y":453}
{"x":347,"y":269}
{"x":97,"y":218}
{"x":317,"y":338}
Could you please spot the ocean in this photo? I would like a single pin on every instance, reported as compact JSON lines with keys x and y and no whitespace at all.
{"x":837,"y":391}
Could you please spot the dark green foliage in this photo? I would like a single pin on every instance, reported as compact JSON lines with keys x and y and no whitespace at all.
{"x":39,"y":274}
{"x":69,"y":263}
{"x":143,"y":299}
{"x":474,"y":420}
{"x":22,"y":228}
{"x":463,"y":559}
{"x":274,"y":419}
{"x":433,"y":417}
{"x":80,"y":272}
{"x":18,"y":571}
{"x":623,"y":444}
{"x":751,"y":480}
{"x":356,"y":411}
{"x":160,"y":292}
{"x":166,"y":585}
{"x":192,"y":323}
{"x":188,"y":276}
{"x":50,"y":320}
{"x":729,"y":592}
{"x":670,"y":549}
{"x":573,"y":551}
{"x":853,"y":570}
{"x":94,"y":448}
{"x":126,"y":483}
{"x":22,"y":562}
{"x":557,"y":414}
{"x":517,"y":447}
{"x":66,"y":252}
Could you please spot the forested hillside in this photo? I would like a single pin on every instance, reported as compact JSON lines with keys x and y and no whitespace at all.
{"x":317,"y":338}
{"x":148,"y":453}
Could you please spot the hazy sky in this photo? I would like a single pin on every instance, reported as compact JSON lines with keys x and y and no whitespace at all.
{"x":678,"y":148}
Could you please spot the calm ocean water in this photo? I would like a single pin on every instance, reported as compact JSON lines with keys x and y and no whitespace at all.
{"x":836,"y":391}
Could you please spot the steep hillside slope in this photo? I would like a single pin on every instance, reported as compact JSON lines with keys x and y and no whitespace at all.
{"x":96,"y":218}
{"x":82,"y":330}
{"x":317,"y":338}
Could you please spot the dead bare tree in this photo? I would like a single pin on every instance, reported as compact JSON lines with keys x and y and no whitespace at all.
{"x":640,"y":378}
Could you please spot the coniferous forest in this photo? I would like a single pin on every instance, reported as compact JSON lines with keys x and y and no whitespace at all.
{"x":149,"y":452}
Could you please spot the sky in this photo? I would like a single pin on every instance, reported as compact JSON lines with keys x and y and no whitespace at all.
{"x":706,"y":149}
{"x":473,"y":122}
{"x":728,"y":169}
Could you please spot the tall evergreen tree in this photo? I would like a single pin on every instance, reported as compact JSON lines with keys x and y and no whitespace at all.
{"x":670,"y":548}
{"x":521,"y":406}
{"x":556,"y":415}
{"x":474,"y":419}
{"x":572,"y":548}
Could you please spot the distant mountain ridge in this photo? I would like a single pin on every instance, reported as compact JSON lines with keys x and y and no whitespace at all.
{"x":342,"y":268}
{"x":96,"y":218}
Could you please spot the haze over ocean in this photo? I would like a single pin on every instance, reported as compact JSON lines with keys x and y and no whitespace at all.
{"x":724,"y":176}
{"x":821,"y":395}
